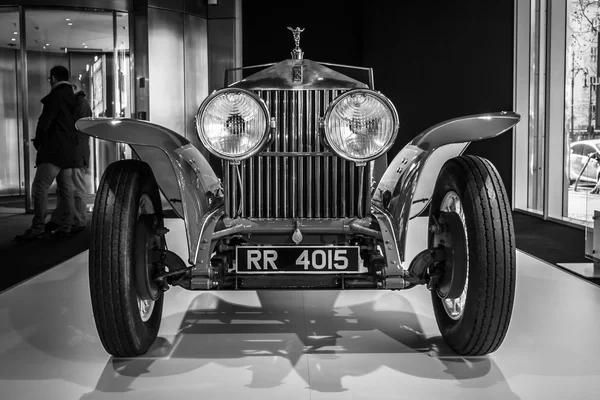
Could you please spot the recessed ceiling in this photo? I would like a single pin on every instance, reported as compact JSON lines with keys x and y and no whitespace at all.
{"x":49,"y":30}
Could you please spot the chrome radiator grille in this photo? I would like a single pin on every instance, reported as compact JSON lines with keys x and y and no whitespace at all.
{"x":296,"y":177}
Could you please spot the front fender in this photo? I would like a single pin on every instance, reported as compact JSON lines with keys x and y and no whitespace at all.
{"x":406,"y":187}
{"x":183,"y":175}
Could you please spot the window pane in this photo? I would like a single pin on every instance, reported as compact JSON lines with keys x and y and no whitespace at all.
{"x":535,"y":185}
{"x":11,"y":171}
{"x":84,"y":43}
{"x":581,"y":89}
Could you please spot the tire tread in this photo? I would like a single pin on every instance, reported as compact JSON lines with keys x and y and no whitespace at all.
{"x":495,"y":249}
{"x":112,"y":209}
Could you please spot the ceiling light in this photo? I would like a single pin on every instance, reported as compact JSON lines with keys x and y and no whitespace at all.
{"x":44,"y":47}
{"x":70,"y":23}
{"x":85,"y":47}
{"x":15,"y":33}
{"x":47,"y":44}
{"x":83,"y":44}
{"x":13,"y":39}
{"x":67,"y":19}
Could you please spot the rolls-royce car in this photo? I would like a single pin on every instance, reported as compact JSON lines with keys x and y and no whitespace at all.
{"x":305,"y":198}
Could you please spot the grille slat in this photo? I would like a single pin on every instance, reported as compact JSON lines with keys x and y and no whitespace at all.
{"x":352,"y":190}
{"x":284,"y":118}
{"x":280,"y":186}
{"x":275,"y":107}
{"x":294,"y":111}
{"x":318,"y":160}
{"x":301,"y":147}
{"x":309,"y":162}
{"x":326,"y":168}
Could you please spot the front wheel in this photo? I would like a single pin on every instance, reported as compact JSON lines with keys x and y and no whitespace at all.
{"x":126,"y":302}
{"x":474,"y":320}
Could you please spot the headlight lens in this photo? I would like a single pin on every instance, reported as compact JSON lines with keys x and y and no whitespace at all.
{"x":361,"y":125}
{"x":233,"y":123}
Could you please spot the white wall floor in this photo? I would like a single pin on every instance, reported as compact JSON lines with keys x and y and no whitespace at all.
{"x":299,"y":345}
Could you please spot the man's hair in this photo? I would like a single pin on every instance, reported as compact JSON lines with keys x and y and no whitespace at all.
{"x":60,"y":73}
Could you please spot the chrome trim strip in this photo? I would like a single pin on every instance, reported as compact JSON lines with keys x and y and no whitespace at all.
{"x":343,"y":187}
{"x":326,"y":169}
{"x":334,"y":175}
{"x":352,"y":189}
{"x":318,"y":160}
{"x":301,"y":135}
{"x":309,"y":147}
{"x":288,"y":225}
{"x":294,"y":154}
{"x":234,"y":190}
{"x":367,"y":187}
{"x":390,"y":242}
{"x":241,"y":172}
{"x":286,"y":177}
{"x":227,"y":186}
{"x":268,"y":172}
{"x":277,"y":148}
{"x":294,"y":114}
{"x":205,"y":238}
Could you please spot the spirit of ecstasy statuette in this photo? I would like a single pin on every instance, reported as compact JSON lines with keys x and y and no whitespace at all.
{"x":297,"y":52}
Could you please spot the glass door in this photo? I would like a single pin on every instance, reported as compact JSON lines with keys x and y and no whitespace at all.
{"x":12,"y":177}
{"x":91,"y":45}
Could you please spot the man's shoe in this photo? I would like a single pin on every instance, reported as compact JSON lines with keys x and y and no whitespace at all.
{"x":51,"y":227}
{"x":29,"y":235}
{"x":57,"y":234}
{"x":77,"y":229}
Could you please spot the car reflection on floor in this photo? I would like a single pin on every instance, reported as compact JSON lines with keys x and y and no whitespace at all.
{"x":306,"y":332}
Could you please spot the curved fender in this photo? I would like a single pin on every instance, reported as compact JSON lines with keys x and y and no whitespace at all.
{"x":181,"y":171}
{"x":407,"y":185}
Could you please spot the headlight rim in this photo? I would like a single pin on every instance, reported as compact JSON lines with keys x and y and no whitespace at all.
{"x":202,"y":136}
{"x":387,"y":102}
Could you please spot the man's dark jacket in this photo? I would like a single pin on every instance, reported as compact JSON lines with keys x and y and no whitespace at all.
{"x":56,"y":139}
{"x":83,"y":110}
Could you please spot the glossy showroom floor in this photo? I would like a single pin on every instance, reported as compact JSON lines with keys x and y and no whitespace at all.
{"x":299,"y":345}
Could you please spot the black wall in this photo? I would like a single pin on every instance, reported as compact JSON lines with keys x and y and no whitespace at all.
{"x":435,"y":60}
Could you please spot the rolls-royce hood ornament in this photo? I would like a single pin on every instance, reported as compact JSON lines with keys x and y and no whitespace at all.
{"x":298,"y":73}
{"x":297,"y":53}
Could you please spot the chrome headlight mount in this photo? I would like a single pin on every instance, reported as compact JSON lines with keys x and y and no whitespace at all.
{"x":360,"y":125}
{"x":233,"y":124}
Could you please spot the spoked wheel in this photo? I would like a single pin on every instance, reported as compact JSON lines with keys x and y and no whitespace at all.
{"x":127,"y":303}
{"x":473,"y":300}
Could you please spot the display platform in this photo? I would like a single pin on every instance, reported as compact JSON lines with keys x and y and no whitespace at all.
{"x":299,"y":345}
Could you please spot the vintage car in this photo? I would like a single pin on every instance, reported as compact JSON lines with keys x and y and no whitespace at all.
{"x":306,"y":200}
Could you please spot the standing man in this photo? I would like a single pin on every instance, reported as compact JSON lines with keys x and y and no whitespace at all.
{"x":79,"y":221}
{"x":56,"y":141}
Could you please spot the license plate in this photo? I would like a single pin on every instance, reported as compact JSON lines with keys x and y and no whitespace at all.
{"x":297,"y":259}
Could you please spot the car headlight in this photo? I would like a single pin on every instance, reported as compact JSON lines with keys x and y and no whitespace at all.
{"x":233,"y":123}
{"x":361,"y":125}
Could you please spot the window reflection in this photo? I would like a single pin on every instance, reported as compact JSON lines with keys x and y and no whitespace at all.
{"x":582,"y":130}
{"x":84,"y":42}
{"x":11,"y":167}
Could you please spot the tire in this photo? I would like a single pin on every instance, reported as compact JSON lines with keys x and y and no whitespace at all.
{"x":481,"y":326}
{"x":127,"y":206}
